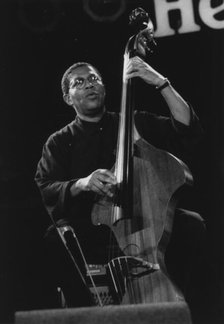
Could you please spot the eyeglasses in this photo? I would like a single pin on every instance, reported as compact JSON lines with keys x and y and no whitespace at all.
{"x":80,"y":83}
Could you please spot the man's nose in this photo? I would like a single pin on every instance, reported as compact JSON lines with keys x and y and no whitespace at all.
{"x":89,"y":84}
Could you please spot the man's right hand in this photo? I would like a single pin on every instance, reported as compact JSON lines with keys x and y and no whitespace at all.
{"x":101,"y":181}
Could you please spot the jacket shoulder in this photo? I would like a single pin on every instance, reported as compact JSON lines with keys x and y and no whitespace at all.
{"x":65,"y":134}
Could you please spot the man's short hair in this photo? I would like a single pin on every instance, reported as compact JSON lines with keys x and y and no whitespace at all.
{"x":66,"y":77}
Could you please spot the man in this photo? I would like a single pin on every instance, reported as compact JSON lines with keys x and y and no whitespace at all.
{"x":77,"y":159}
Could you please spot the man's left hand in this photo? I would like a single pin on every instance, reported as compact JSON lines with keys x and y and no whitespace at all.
{"x":136,"y":67}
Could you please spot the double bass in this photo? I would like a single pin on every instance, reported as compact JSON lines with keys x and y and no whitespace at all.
{"x":141,"y":213}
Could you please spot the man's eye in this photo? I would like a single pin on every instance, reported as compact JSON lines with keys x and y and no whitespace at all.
{"x":78,"y":82}
{"x":94,"y":77}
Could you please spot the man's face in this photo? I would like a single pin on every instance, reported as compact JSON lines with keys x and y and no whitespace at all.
{"x":86,"y":92}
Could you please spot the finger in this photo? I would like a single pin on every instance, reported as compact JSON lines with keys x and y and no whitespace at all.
{"x":131,"y":66}
{"x":101,"y":189}
{"x":97,"y":182}
{"x":135,"y":59}
{"x":97,"y":190}
{"x":135,"y":67}
{"x":133,"y":75}
{"x":107,"y":176}
{"x":105,"y":179}
{"x":110,"y":189}
{"x":106,"y":172}
{"x":132,"y":70}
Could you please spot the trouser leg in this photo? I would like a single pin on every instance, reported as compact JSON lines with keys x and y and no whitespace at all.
{"x":186,"y":247}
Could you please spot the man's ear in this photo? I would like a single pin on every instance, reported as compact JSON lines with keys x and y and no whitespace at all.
{"x":67,"y":99}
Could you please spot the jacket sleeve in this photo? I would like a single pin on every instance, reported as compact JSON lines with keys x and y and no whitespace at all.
{"x":52,"y":179}
{"x":169,"y":134}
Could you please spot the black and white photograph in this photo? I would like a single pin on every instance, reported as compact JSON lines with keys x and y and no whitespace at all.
{"x":112,"y":161}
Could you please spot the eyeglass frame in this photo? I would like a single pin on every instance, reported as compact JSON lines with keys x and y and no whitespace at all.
{"x":95,"y":79}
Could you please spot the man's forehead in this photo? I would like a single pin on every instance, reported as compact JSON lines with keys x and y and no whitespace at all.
{"x":84,"y":70}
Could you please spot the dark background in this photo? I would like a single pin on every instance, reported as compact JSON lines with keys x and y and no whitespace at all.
{"x":39,"y":40}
